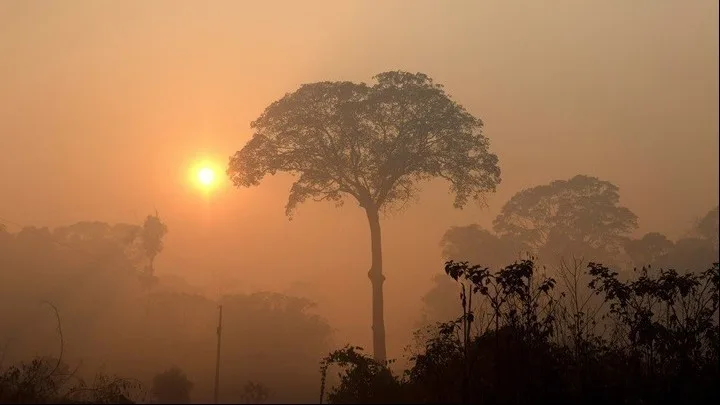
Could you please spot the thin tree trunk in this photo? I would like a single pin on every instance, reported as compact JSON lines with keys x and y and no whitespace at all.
{"x":376,"y":279}
{"x":151,"y":267}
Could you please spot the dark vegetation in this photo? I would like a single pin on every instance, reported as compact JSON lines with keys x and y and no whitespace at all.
{"x":565,"y":222}
{"x":641,"y":330}
{"x":649,"y":338}
{"x":557,"y":304}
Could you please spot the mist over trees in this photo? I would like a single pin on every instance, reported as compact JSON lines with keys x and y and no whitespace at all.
{"x":562,"y":223}
{"x":126,"y":332}
{"x":153,"y":231}
{"x":561,"y":300}
{"x":172,"y":387}
{"x":581,"y":216}
{"x":83,"y":325}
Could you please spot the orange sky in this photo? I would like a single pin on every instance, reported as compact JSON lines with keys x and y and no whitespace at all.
{"x":105,"y":105}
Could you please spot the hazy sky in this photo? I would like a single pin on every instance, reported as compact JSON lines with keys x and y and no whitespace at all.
{"x":104,"y":106}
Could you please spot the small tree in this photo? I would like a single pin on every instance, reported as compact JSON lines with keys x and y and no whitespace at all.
{"x":172,"y":387}
{"x":152,"y":238}
{"x":362,"y":379}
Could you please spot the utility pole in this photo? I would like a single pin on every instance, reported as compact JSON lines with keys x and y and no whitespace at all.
{"x":217,"y":358}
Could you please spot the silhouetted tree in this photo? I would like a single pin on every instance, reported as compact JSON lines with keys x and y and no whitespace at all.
{"x":696,"y":248}
{"x":363,"y":380}
{"x":43,"y":379}
{"x":116,"y":245}
{"x":474,"y":244}
{"x":648,"y":249}
{"x":153,"y":231}
{"x":372,"y":143}
{"x":707,"y":226}
{"x":580,"y":216}
{"x":689,"y":254}
{"x":172,"y":387}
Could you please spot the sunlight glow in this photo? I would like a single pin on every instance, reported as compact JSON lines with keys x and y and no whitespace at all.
{"x":206,"y":176}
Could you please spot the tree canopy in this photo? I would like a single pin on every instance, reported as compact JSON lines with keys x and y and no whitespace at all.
{"x":693,"y":251}
{"x":648,"y":249}
{"x":579,"y":215}
{"x":477,"y":245}
{"x":153,"y":232}
{"x":372,"y":142}
{"x":707,"y":227}
{"x":172,"y":386}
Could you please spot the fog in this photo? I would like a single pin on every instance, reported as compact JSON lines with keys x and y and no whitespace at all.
{"x":107,"y":107}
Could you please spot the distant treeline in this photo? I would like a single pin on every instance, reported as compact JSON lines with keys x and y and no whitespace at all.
{"x":117,"y":318}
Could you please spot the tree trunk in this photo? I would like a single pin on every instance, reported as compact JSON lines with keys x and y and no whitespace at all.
{"x":376,"y":279}
{"x":151,"y":267}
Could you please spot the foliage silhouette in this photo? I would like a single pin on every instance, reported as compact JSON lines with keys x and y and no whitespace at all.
{"x":581,"y":216}
{"x":153,"y":231}
{"x":474,"y":244}
{"x":172,"y":387}
{"x":363,"y":379}
{"x":698,"y":247}
{"x":647,"y":250}
{"x":663,"y":345}
{"x":707,"y":226}
{"x":374,"y":143}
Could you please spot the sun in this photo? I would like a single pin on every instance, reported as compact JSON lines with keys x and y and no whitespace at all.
{"x":206,"y":176}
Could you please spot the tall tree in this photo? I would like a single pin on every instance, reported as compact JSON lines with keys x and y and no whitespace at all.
{"x":373,"y":143}
{"x":579,"y":216}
